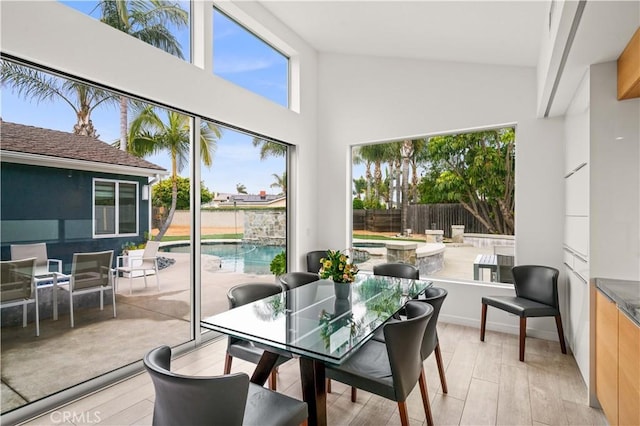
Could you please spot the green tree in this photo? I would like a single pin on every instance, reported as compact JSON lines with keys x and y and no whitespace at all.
{"x":269,"y":148}
{"x":149,"y":134}
{"x":241,"y":189}
{"x":31,"y":84}
{"x":147,"y":21}
{"x":359,"y":187}
{"x":280,"y":182}
{"x":477,"y":170}
{"x":162,"y":193}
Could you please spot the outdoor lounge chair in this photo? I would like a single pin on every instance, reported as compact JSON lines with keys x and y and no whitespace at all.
{"x":48,"y":272}
{"x":17,"y":287}
{"x":148,"y":262}
{"x":91,"y":272}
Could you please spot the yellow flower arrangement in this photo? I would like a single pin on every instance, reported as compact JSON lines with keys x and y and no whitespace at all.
{"x":336,"y":266}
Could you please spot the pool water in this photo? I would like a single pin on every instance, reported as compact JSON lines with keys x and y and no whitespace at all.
{"x":236,"y":257}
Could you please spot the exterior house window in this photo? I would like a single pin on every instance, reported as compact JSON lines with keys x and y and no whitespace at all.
{"x":115,"y":207}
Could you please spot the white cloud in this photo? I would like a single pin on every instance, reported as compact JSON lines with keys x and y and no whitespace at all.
{"x":231,"y":65}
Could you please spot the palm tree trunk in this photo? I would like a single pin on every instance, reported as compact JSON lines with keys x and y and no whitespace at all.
{"x":406,"y":152}
{"x":123,"y":123}
{"x":174,"y":198}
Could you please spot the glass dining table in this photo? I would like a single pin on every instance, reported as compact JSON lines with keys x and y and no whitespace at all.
{"x":313,"y":324}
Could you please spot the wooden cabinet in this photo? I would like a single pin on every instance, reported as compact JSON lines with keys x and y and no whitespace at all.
{"x":617,"y":363}
{"x":607,"y":356}
{"x":629,"y":371}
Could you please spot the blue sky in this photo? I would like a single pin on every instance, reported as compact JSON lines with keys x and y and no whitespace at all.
{"x":238,"y":57}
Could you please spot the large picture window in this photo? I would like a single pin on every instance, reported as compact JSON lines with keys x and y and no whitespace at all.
{"x":115,"y":208}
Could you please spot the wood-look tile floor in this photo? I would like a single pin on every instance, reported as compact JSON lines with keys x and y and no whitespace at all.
{"x":487,"y":386}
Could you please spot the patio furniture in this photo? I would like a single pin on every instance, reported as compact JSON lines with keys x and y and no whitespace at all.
{"x":505,"y":256}
{"x":17,"y":287}
{"x":485,"y":261}
{"x":243,"y":349}
{"x":48,"y":272}
{"x":296,"y":279}
{"x":90,"y":273}
{"x":225,"y":400}
{"x":313,"y":260}
{"x":536,"y":296}
{"x":391,"y":369}
{"x":148,"y":262}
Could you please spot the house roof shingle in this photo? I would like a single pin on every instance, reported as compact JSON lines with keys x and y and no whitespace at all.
{"x":54,"y":143}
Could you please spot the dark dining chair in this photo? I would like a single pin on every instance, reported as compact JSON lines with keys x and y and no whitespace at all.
{"x":391,"y":369}
{"x":225,"y":400}
{"x":536,"y":296}
{"x":430,"y":343}
{"x":391,"y":269}
{"x":397,"y":269}
{"x":313,"y":260}
{"x":238,"y":348}
{"x":297,"y":279}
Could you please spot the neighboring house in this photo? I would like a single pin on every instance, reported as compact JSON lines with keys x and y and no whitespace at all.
{"x":249,"y":200}
{"x":76,"y":193}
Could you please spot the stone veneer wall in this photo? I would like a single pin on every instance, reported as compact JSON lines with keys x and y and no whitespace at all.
{"x":489,"y":240}
{"x":265,"y":227}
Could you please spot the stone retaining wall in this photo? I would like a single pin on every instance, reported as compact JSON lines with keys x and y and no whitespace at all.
{"x":430,"y":258}
{"x":489,"y":240}
{"x":265,"y":228}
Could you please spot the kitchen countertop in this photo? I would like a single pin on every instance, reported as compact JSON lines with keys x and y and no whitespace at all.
{"x":626,"y":294}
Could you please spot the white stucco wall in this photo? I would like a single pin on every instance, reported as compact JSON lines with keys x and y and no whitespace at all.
{"x":367,"y":99}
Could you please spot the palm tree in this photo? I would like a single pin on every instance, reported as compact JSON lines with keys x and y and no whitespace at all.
{"x":269,"y":148}
{"x":359,"y":158}
{"x":281,"y":182}
{"x":406,"y":153}
{"x":149,"y":134}
{"x":377,"y":155}
{"x":241,"y":189}
{"x":146,"y":21}
{"x":41,"y":87}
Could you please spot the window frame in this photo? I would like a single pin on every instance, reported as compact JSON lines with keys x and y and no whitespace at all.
{"x":117,"y":183}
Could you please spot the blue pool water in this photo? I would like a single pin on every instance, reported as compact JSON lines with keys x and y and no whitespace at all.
{"x":236,"y":257}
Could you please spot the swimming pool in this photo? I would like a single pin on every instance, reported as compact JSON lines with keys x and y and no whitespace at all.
{"x":235,"y":257}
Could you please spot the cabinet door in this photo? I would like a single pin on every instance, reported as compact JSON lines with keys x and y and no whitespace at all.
{"x":607,"y":356}
{"x":628,"y":371}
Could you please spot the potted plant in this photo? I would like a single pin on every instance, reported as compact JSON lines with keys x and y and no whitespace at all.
{"x":133,"y":252}
{"x":278,"y":265}
{"x":336,"y":267}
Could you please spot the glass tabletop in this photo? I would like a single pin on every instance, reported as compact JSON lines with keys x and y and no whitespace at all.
{"x":311,"y":321}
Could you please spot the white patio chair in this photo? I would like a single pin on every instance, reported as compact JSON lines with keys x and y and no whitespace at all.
{"x":48,"y":272}
{"x":148,"y":262}
{"x":17,"y":287}
{"x":91,"y":272}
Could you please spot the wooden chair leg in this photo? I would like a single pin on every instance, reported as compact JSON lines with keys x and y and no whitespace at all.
{"x":354,"y":394}
{"x":272,"y":379}
{"x":483,"y":321}
{"x":443,"y":379}
{"x":328,"y":386}
{"x":227,"y":364}
{"x":561,"y":334}
{"x":404,"y":415}
{"x":523,"y":335}
{"x":425,"y":398}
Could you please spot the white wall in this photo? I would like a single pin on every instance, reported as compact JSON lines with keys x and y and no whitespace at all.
{"x":365,"y":99}
{"x":53,"y":35}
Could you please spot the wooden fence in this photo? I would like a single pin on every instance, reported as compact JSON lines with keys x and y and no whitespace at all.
{"x":419,"y":218}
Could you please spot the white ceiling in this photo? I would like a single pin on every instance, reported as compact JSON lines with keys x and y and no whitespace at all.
{"x":491,"y":32}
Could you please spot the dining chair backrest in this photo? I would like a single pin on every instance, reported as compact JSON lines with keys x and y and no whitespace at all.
{"x":91,"y":270}
{"x":37,"y":250}
{"x":296,"y":279}
{"x":199,"y":400}
{"x":434,"y":296}
{"x":313,"y":260}
{"x":537,"y":283}
{"x":16,"y":279}
{"x":250,"y":292}
{"x":398,"y":270}
{"x":403,"y":341}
